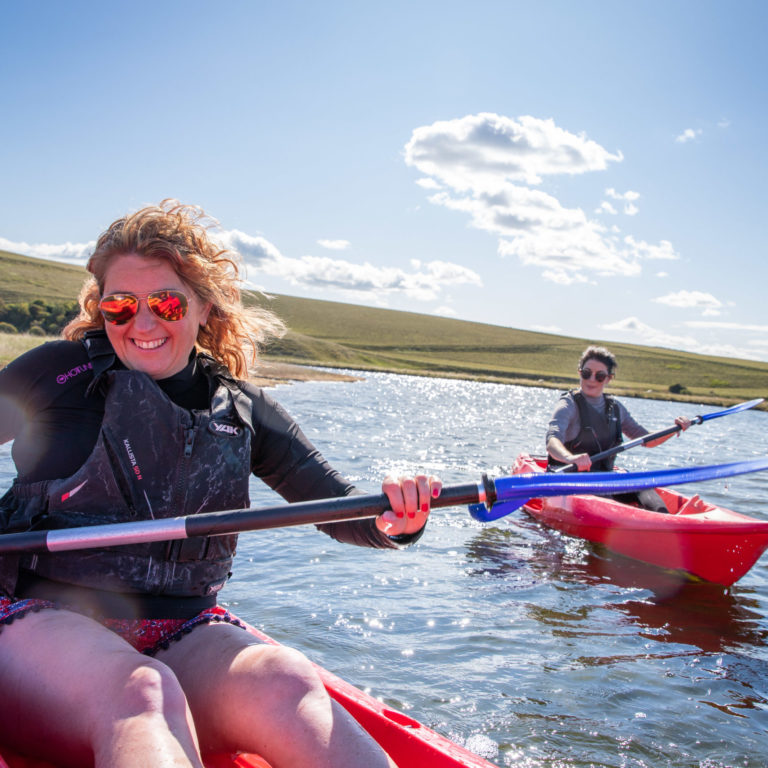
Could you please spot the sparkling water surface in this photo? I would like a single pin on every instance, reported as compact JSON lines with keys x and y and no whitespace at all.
{"x":531,"y":648}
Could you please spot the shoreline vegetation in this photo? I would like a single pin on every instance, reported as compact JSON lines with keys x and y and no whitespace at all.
{"x":345,"y":337}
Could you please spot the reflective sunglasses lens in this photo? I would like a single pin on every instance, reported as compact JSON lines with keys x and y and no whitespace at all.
{"x":119,"y":308}
{"x":600,"y":376}
{"x":168,"y":305}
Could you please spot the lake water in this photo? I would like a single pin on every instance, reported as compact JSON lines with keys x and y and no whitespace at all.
{"x":531,"y":648}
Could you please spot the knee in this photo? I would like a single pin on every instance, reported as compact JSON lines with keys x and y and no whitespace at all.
{"x":146,"y":689}
{"x":291,"y":676}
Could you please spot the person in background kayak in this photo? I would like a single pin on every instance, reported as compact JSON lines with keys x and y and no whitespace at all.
{"x":122,"y":656}
{"x":586,"y":421}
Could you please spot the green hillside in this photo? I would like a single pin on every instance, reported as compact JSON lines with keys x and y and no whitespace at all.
{"x":351,"y":336}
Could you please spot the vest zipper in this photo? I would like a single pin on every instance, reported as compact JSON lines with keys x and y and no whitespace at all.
{"x":190,"y":441}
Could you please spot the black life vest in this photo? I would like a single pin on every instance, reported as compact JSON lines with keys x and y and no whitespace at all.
{"x":598,"y":432}
{"x":152,"y":459}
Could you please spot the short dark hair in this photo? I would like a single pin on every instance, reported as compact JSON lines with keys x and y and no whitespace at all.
{"x":601,"y":354}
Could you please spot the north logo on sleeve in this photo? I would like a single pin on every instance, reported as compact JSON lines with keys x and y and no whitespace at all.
{"x":225,"y":428}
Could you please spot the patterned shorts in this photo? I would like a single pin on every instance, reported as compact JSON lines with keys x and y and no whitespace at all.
{"x":148,"y":636}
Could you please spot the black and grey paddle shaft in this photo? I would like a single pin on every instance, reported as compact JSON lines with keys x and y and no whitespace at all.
{"x":664,"y":432}
{"x":497,"y":497}
{"x":223,"y":522}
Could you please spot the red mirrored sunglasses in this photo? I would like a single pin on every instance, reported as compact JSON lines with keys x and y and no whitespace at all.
{"x":120,"y":308}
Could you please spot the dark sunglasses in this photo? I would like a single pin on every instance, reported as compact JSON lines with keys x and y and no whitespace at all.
{"x":586,"y":374}
{"x":120,"y":308}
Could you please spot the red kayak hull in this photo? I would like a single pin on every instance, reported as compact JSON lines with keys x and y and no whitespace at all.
{"x":714,"y":544}
{"x":409,"y":743}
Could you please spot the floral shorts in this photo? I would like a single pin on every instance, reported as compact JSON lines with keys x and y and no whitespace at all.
{"x":148,"y":636}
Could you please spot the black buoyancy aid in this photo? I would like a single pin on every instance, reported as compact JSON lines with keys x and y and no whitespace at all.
{"x":598,"y":432}
{"x":152,"y":459}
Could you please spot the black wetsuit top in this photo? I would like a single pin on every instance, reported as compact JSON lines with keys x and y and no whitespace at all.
{"x":54,"y":425}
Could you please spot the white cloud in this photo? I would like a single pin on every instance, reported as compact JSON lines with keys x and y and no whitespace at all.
{"x":727,"y":326}
{"x":684,"y":299}
{"x":635,"y":331}
{"x":424,"y":282}
{"x":334,"y":245}
{"x":642,"y":250}
{"x":628,"y":198}
{"x":478,"y":150}
{"x":606,"y":207}
{"x":689,"y":134}
{"x":628,"y":195}
{"x":487,"y":166}
{"x":445,"y":311}
{"x":70,"y":253}
{"x":642,"y":333}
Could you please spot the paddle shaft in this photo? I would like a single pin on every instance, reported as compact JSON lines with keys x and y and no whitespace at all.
{"x":497,"y":498}
{"x":700,"y":419}
{"x":223,"y":522}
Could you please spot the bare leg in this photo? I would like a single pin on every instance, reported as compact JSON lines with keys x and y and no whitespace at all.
{"x":76,"y":692}
{"x":265,"y":699}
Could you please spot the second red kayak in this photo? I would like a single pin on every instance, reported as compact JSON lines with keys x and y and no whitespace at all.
{"x":710,"y":542}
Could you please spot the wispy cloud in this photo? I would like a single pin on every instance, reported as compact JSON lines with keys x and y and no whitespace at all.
{"x":706,"y":302}
{"x":647,"y":334}
{"x":70,"y":253}
{"x":727,"y":326}
{"x":636,"y":331}
{"x":423,"y":282}
{"x":628,"y":198}
{"x":334,"y":245}
{"x":689,"y":134}
{"x":488,"y":166}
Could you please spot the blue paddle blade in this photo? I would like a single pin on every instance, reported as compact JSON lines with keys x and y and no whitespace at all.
{"x":513,"y":491}
{"x":733,"y":409}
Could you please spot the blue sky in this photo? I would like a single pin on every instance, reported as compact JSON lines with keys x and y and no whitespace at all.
{"x":595,"y":169}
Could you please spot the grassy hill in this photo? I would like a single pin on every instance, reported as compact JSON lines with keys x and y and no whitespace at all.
{"x":350,"y":336}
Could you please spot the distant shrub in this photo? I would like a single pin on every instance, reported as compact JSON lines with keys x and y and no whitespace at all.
{"x":678,"y":389}
{"x":35,"y":330}
{"x":50,"y":317}
{"x":7,"y":328}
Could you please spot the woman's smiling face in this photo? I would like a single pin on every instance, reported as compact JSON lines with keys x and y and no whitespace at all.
{"x":591,"y":386}
{"x":159,"y":348}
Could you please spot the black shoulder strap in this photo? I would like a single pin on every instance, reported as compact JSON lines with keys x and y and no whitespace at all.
{"x":222,"y":376}
{"x":611,"y":406}
{"x":101,"y":355}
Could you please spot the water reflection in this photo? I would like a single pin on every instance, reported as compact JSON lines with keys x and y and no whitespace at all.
{"x":662,"y":606}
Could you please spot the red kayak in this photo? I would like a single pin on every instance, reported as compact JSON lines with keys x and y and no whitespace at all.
{"x":409,"y":744}
{"x":712,"y":543}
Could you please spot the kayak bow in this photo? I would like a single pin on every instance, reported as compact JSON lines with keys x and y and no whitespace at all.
{"x":710,"y":542}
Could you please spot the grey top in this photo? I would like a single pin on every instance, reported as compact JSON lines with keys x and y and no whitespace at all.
{"x":565,"y":424}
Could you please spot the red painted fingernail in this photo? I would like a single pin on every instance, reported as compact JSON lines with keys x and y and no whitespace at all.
{"x":411,"y":514}
{"x":435,"y":492}
{"x":425,"y":507}
{"x":400,"y":514}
